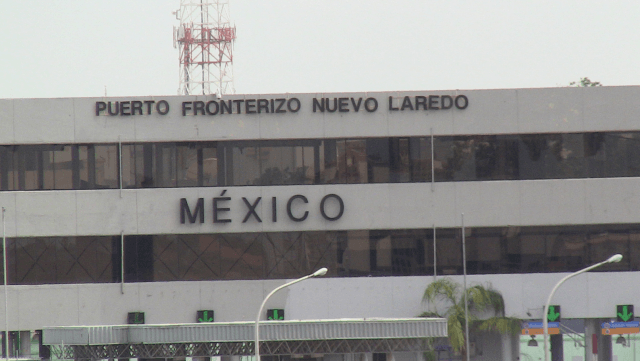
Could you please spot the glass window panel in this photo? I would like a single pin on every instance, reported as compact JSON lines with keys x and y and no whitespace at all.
{"x":378,"y":160}
{"x":454,"y":158}
{"x":132,"y":165}
{"x":164,"y":165}
{"x":448,"y":251}
{"x":204,"y":264}
{"x":35,"y":260}
{"x":380,"y":253}
{"x":8,"y":168}
{"x":105,"y":167}
{"x":532,"y":251}
{"x":83,"y":167}
{"x":243,"y":163}
{"x":93,"y":260}
{"x":62,"y":167}
{"x":571,"y":157}
{"x":399,"y":160}
{"x":496,"y":157}
{"x":282,"y":254}
{"x":317,"y":250}
{"x":329,"y":164}
{"x":46,"y":260}
{"x":634,"y":247}
{"x":352,"y":161}
{"x":354,"y":251}
{"x":484,"y":251}
{"x":409,"y":249}
{"x":532,"y":151}
{"x":565,"y":248}
{"x":145,"y":159}
{"x":185,"y":257}
{"x":138,"y":258}
{"x":67,"y":269}
{"x":242,"y":256}
{"x":187,"y":168}
{"x":605,"y":241}
{"x":48,"y":167}
{"x":210,"y":165}
{"x":552,"y":156}
{"x":622,"y":154}
{"x":306,"y":164}
{"x":595,"y":154}
{"x":420,"y":153}
{"x":29,"y":167}
{"x":282,"y":164}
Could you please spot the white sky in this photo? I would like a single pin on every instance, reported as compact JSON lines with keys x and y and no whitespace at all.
{"x":74,"y":48}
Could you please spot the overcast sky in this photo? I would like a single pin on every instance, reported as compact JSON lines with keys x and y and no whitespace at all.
{"x":76,"y":48}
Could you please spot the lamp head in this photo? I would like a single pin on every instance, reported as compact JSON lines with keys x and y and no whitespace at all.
{"x":615,"y":258}
{"x":323,"y":271}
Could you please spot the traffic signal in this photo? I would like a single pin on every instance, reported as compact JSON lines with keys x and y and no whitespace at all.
{"x":135,"y":318}
{"x":554,"y":314}
{"x":624,"y":313}
{"x":275,"y":314}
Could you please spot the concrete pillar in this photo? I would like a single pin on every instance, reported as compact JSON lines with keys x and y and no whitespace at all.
{"x":506,"y":347}
{"x":510,"y":347}
{"x":557,"y":349}
{"x":605,"y":352}
{"x":591,"y":327}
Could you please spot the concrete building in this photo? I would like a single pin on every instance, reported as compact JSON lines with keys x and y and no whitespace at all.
{"x":170,"y":205}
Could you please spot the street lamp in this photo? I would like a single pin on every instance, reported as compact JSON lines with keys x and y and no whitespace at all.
{"x":545,"y":322}
{"x":320,"y":272}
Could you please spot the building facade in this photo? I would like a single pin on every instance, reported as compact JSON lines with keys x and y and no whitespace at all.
{"x":169,"y":205}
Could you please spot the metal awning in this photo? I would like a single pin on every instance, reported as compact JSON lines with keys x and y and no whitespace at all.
{"x":236,"y":338}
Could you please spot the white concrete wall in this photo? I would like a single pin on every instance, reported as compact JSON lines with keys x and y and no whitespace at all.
{"x":547,"y":110}
{"x":367,"y":206}
{"x":592,"y":295}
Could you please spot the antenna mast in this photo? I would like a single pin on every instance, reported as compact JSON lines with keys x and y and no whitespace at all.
{"x":205,"y":41}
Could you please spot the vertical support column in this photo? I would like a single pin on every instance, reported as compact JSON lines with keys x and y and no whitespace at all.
{"x":605,"y":352}
{"x":590,"y":329}
{"x":120,"y":165}
{"x":506,"y":347}
{"x":122,"y":262}
{"x":510,"y":347}
{"x":557,"y":350}
{"x":435,"y":256}
{"x":432,"y":160}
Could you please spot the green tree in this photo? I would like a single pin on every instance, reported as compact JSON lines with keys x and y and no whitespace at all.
{"x":584,"y":82}
{"x":481,"y":301}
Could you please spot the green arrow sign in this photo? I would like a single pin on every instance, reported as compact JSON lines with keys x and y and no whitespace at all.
{"x":275,"y":314}
{"x":135,"y":318}
{"x":554,"y":313}
{"x":205,"y":316}
{"x":624,"y":313}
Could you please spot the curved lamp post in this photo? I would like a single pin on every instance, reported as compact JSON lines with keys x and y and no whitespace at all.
{"x":320,"y":272}
{"x":545,"y":323}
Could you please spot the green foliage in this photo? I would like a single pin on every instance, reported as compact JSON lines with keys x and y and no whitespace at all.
{"x":480,"y":299}
{"x":585,"y":82}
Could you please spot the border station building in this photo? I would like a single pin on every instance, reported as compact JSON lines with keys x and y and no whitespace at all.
{"x":163,"y":206}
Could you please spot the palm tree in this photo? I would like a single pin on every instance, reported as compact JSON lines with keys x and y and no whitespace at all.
{"x":480,"y":299}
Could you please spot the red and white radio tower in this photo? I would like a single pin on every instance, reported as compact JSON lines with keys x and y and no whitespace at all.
{"x":205,"y":40}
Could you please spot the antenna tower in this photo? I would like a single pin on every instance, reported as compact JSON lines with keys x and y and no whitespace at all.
{"x":205,"y":41}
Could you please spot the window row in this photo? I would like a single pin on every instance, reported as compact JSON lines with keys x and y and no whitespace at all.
{"x":328,"y":161}
{"x":250,"y":256}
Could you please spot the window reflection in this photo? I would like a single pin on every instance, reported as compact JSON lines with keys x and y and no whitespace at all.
{"x":45,"y":260}
{"x":328,"y":161}
{"x":354,"y":253}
